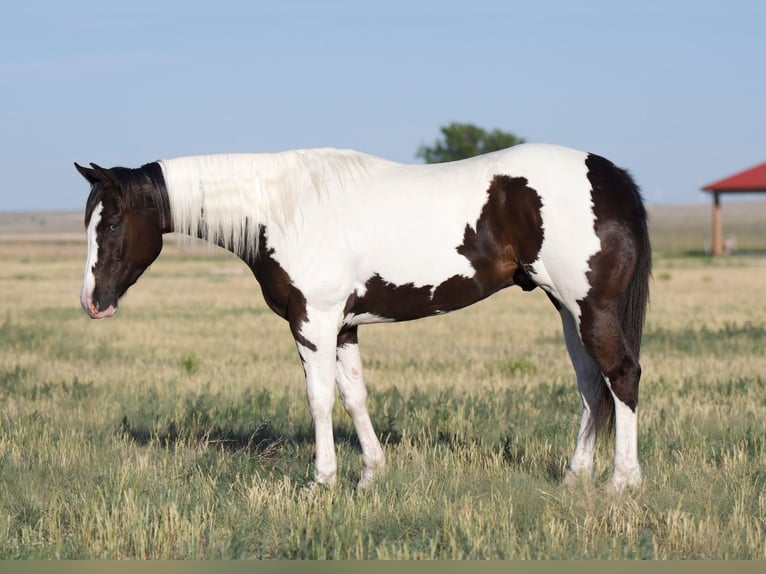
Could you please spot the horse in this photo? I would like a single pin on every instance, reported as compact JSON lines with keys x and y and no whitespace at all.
{"x":338,"y":239}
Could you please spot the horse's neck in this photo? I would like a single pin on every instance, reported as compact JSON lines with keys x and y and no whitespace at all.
{"x":219,"y":198}
{"x":228,"y":198}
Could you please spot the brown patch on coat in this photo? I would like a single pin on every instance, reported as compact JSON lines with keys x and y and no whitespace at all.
{"x":501,"y":247}
{"x":280,"y":294}
{"x":348,"y":337}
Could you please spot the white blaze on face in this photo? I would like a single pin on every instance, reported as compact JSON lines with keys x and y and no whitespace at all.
{"x":89,"y":279}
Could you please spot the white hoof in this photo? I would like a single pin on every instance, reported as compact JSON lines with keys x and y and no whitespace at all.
{"x":630,"y":479}
{"x":370,"y":474}
{"x":572,"y":478}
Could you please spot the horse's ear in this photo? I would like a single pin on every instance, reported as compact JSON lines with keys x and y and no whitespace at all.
{"x":105,"y":175}
{"x":88,"y":174}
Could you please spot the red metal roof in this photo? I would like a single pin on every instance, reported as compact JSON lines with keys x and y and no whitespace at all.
{"x":753,"y":179}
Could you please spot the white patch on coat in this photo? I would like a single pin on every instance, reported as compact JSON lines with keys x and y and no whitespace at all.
{"x":560,"y":177}
{"x":337,"y":218}
{"x":89,"y":279}
{"x":353,"y":319}
{"x":402,"y":223}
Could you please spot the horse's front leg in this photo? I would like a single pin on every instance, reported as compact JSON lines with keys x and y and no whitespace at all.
{"x":315,"y":336}
{"x":353,"y":393}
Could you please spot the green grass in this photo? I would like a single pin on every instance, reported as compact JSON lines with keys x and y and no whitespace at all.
{"x":213,"y":487}
{"x":728,"y":340}
{"x":179,"y":429}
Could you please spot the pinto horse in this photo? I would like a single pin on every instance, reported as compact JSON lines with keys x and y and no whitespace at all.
{"x":339,"y":239}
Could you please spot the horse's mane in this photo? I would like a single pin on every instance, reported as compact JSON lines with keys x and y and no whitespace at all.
{"x":226,"y":197}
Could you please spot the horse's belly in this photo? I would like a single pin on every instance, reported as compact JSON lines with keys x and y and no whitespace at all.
{"x":380,"y":300}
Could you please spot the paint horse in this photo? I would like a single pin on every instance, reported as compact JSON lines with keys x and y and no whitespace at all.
{"x":338,"y":239}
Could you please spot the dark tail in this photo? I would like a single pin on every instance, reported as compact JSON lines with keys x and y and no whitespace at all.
{"x":633,"y":304}
{"x":632,"y":308}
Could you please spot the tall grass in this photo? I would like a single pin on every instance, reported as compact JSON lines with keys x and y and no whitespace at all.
{"x":179,"y":429}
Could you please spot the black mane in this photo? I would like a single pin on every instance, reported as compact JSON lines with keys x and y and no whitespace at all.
{"x":140,"y":188}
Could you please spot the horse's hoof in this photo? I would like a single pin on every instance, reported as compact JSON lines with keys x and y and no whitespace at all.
{"x":572,"y":479}
{"x":625,"y":480}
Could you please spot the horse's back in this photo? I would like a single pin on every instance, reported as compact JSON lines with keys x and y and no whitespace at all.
{"x":421,"y":225}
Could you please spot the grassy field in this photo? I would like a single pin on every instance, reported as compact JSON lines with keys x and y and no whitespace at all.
{"x":179,"y":429}
{"x":686,"y":229}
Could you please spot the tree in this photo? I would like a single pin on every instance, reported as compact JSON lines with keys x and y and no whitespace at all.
{"x":460,"y":141}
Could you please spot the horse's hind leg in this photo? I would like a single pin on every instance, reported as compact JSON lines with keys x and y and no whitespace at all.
{"x":604,"y":340}
{"x":353,"y":393}
{"x":592,"y":387}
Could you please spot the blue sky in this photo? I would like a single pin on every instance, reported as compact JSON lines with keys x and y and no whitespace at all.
{"x":673,"y":91}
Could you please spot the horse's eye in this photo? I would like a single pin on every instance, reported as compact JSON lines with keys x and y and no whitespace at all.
{"x":114,"y":227}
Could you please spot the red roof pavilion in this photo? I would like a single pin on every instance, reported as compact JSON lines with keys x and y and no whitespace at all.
{"x":751,"y":180}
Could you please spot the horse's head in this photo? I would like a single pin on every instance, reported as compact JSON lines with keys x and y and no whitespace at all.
{"x":124,"y":228}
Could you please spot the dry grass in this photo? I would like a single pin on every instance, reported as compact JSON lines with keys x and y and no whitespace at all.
{"x":179,"y":429}
{"x":686,"y":229}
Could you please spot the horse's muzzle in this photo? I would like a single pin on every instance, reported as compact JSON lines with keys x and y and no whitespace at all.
{"x":89,"y":306}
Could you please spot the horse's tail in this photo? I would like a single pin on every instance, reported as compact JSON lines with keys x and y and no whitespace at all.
{"x":635,"y":299}
{"x":632,"y":308}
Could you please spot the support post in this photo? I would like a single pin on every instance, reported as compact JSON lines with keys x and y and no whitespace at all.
{"x":717,"y":243}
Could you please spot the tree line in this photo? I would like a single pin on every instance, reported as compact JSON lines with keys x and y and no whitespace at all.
{"x":462,"y":140}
